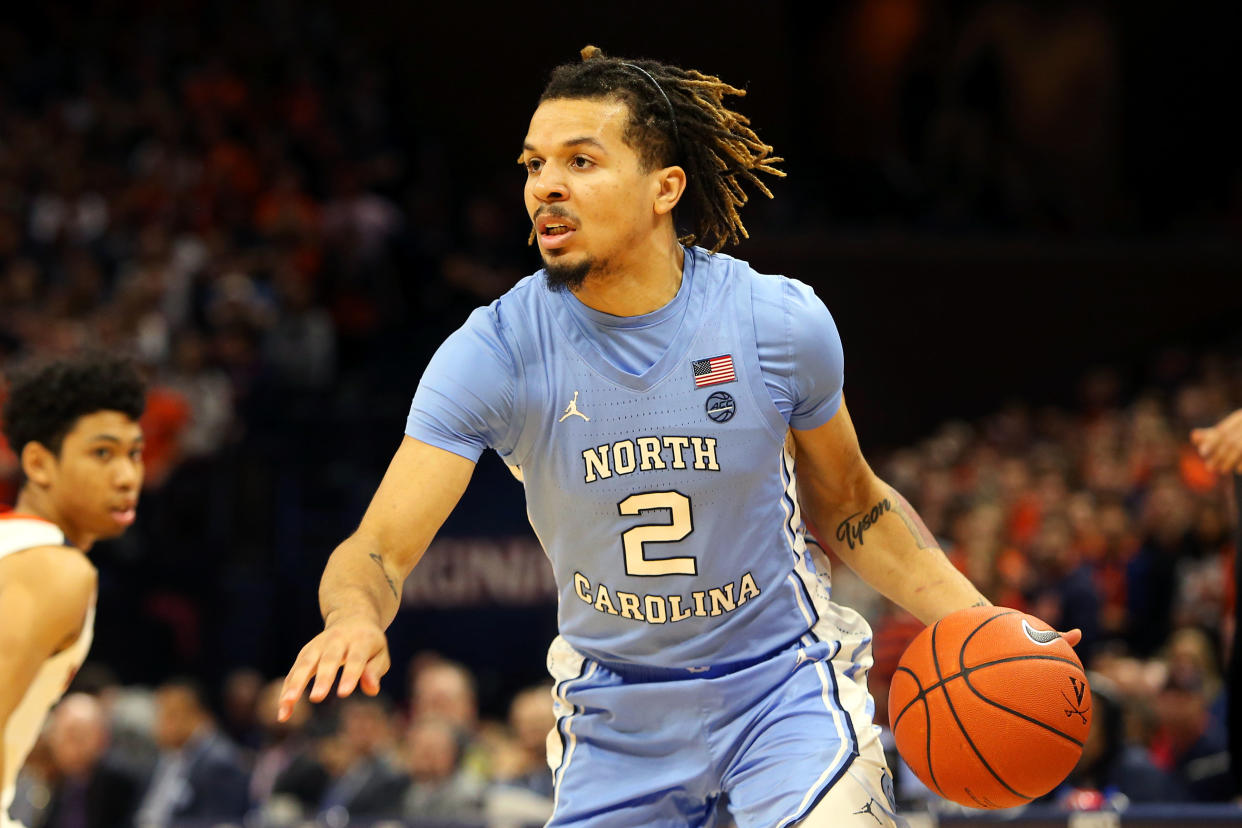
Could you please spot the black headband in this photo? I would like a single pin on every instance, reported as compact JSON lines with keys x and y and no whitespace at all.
{"x":671,"y":116}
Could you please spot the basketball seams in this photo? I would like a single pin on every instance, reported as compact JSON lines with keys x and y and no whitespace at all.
{"x":936,"y":685}
{"x":1023,"y":716}
{"x":1029,"y":657}
{"x":927,"y":709}
{"x":987,"y":765}
{"x":917,"y":696}
{"x":965,"y":674}
{"x":961,"y":654}
{"x":953,"y":710}
{"x":964,"y":671}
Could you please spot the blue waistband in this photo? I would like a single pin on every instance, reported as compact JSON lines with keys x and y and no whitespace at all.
{"x":644,"y":672}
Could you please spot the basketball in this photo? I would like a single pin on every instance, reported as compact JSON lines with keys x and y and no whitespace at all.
{"x":990,"y":707}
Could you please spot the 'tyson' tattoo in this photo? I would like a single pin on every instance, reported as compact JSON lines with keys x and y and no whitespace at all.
{"x":853,"y":530}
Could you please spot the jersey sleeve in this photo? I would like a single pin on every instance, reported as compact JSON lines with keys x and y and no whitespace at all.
{"x":800,"y":352}
{"x":819,"y":361}
{"x":465,"y":400}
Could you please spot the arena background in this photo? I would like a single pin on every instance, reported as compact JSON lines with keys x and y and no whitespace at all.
{"x":283,"y":208}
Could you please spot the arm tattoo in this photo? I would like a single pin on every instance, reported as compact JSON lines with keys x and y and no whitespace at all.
{"x":851,"y":531}
{"x":853,"y":528}
{"x":922,"y":535}
{"x":379,"y":561}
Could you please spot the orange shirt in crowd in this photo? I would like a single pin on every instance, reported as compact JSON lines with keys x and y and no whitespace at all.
{"x":166,"y":417}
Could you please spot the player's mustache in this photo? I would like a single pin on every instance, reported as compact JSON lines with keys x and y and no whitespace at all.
{"x":555,"y":211}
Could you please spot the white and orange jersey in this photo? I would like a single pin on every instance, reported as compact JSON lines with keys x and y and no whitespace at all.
{"x":19,"y":532}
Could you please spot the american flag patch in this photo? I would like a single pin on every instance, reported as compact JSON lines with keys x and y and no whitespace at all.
{"x":713,"y":371}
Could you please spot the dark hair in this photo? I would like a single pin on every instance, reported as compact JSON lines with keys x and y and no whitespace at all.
{"x":45,"y":400}
{"x":678,"y":116}
{"x":191,"y":687}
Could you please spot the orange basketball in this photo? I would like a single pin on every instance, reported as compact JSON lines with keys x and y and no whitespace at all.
{"x":990,"y":707}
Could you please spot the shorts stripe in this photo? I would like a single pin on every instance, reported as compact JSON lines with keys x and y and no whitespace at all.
{"x":564,"y":724}
{"x":799,"y":590}
{"x":848,"y":749}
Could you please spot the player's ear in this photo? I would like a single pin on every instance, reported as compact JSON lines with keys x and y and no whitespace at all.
{"x":38,"y":463}
{"x":671,"y":183}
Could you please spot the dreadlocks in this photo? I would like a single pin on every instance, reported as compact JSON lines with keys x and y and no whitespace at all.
{"x":678,"y":116}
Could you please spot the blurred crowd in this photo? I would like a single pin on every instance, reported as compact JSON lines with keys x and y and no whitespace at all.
{"x":114,"y":756}
{"x":1104,"y":519}
{"x":251,"y":204}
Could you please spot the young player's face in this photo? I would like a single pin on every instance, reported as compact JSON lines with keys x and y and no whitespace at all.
{"x":587,"y":194}
{"x":95,"y":480}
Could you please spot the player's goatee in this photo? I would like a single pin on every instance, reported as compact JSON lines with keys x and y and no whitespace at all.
{"x":562,"y":277}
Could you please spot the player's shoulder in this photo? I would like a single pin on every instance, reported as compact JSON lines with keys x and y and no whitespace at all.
{"x":774,"y":296}
{"x":527,"y":292}
{"x":55,"y":569}
{"x":771,"y":287}
{"x":489,"y":331}
{"x":510,"y":308}
{"x":19,"y":532}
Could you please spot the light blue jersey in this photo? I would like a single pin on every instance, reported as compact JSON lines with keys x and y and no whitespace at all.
{"x":701,"y":660}
{"x":652,"y":450}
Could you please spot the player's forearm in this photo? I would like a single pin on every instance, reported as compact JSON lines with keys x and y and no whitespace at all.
{"x":882,"y":538}
{"x":359,"y":581}
{"x":364,"y":574}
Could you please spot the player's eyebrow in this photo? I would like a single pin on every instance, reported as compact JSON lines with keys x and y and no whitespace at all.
{"x":112,"y":438}
{"x":572,"y":142}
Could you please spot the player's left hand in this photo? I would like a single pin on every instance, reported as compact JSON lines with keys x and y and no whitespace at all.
{"x":1221,"y":445}
{"x":1072,"y":637}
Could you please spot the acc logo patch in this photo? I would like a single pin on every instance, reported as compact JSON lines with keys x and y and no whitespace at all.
{"x":720,"y":407}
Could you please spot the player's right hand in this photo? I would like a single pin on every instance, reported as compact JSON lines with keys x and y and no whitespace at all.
{"x":1221,"y":445}
{"x":355,"y":645}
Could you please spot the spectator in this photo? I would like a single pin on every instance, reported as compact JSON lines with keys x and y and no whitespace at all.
{"x":438,"y":787}
{"x":285,"y":766}
{"x":523,"y":793}
{"x":1186,"y":746}
{"x":207,"y":391}
{"x":239,"y":703}
{"x":365,"y":783}
{"x":200,"y":774}
{"x":92,"y":791}
{"x":443,"y":688}
{"x":1191,"y":656}
{"x":525,"y":764}
{"x":1067,"y":596}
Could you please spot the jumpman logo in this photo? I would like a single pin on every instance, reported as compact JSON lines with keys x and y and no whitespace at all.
{"x":866,"y":809}
{"x":571,"y":410}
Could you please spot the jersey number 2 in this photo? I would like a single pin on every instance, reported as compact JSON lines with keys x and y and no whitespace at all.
{"x":636,"y":562}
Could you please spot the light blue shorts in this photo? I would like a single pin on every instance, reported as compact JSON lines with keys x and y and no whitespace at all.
{"x":637,"y":747}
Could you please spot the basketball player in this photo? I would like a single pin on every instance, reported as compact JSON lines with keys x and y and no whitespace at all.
{"x":654,"y":397}
{"x":74,"y":427}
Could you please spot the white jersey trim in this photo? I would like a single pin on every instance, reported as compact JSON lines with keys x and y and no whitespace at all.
{"x":567,"y":667}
